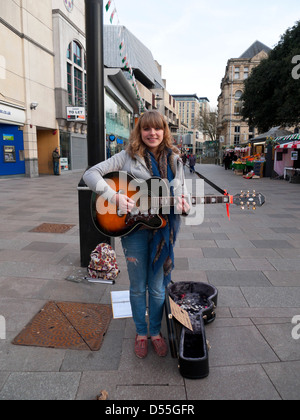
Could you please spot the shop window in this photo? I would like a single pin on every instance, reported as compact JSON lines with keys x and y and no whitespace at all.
{"x":76,"y":75}
{"x":118,"y":126}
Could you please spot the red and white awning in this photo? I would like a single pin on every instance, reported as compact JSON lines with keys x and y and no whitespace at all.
{"x":290,"y":145}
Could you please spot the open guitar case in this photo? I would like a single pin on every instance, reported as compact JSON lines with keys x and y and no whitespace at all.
{"x":199,"y":300}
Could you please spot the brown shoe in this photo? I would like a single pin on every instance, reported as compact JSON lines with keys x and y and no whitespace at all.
{"x":160,"y":346}
{"x":141,"y":347}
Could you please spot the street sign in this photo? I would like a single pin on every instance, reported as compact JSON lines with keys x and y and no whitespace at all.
{"x":75,"y":113}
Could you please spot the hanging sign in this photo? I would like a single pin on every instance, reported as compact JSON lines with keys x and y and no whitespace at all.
{"x":294,"y":155}
{"x":75,"y":113}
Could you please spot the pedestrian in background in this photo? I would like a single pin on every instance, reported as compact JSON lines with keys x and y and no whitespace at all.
{"x":227,"y":161}
{"x":184,"y":159}
{"x":192,"y":163}
{"x":56,"y":159}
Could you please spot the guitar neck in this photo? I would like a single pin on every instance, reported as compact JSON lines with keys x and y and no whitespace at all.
{"x":208,"y":199}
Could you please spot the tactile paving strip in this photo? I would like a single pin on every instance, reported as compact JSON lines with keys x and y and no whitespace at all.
{"x":67,"y":325}
{"x":52,"y":228}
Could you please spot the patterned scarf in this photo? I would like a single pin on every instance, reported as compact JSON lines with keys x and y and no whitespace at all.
{"x":162,"y":247}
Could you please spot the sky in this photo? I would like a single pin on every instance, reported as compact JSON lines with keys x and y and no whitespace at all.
{"x":193,"y":39}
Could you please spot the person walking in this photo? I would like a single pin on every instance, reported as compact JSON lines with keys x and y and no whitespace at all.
{"x":56,"y":159}
{"x":227,"y":161}
{"x":149,"y":253}
{"x":192,"y":162}
{"x":184,"y":159}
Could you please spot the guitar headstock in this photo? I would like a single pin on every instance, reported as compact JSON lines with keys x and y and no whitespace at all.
{"x":249,"y":199}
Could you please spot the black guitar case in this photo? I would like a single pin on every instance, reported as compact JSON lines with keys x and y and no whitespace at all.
{"x":199,"y":300}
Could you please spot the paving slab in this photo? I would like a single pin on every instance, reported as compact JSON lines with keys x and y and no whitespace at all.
{"x":286,"y":379}
{"x":229,"y":349}
{"x":249,"y":382}
{"x":286,"y":278}
{"x":46,"y":386}
{"x":274,"y":297}
{"x":234,"y":278}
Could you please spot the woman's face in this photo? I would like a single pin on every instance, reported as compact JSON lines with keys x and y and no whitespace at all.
{"x":152,"y":137}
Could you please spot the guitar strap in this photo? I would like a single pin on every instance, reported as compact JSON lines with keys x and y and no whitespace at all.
{"x":223,"y":192}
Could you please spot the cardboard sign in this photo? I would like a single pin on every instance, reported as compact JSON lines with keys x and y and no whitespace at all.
{"x":180,"y":314}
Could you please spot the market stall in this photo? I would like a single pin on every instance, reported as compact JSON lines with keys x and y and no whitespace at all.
{"x":287,"y":158}
{"x":250,"y":164}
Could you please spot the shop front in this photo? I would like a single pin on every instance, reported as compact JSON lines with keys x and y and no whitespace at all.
{"x":287,"y":159}
{"x":118,"y":126}
{"x":12,"y":159}
{"x":73,"y":150}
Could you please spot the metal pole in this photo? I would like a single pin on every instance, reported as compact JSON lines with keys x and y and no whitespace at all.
{"x":90,"y":237}
{"x":95,"y":81}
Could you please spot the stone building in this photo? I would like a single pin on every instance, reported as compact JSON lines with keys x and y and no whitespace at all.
{"x":232,"y":130}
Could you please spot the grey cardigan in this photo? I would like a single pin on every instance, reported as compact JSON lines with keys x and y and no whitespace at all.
{"x":137,"y":167}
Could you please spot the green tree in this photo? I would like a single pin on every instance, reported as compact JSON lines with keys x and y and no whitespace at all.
{"x":272,"y":92}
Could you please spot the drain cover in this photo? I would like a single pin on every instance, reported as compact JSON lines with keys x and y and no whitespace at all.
{"x":67,"y":325}
{"x":52,"y":228}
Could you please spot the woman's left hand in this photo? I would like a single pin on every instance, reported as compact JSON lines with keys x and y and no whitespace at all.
{"x":182,"y":206}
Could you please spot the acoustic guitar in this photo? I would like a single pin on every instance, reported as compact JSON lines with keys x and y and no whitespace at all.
{"x":153,"y":200}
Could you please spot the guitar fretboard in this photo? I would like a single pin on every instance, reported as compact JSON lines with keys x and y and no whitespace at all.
{"x":208,"y":199}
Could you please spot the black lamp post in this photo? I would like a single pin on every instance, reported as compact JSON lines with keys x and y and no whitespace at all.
{"x":90,"y":237}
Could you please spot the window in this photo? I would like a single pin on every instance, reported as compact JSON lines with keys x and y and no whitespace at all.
{"x":76,"y":75}
{"x":237,"y":102}
{"x":237,"y":73}
{"x":236,"y":140}
{"x":246,"y":73}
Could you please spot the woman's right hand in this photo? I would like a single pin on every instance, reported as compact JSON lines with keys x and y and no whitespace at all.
{"x":124,"y":203}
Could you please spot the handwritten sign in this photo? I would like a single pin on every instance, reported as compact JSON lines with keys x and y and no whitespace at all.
{"x":180,"y":314}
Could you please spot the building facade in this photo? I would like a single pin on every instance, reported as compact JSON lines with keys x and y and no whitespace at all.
{"x":232,"y":130}
{"x":27,"y":100}
{"x":189,"y":110}
{"x":43,"y":85}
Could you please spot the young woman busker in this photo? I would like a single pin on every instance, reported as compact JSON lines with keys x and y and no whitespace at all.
{"x":149,"y":253}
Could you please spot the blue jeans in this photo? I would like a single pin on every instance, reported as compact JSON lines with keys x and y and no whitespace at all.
{"x":136,"y":248}
{"x":56,"y":167}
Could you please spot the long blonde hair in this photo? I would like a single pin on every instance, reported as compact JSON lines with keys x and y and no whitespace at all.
{"x":152,"y":119}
